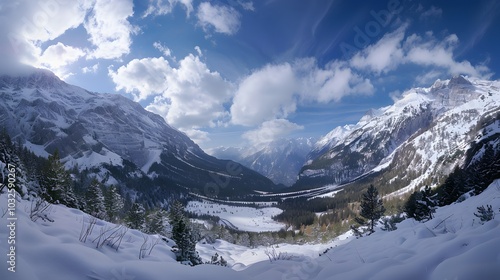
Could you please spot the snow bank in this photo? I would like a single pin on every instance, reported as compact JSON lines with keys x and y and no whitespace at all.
{"x":454,"y":245}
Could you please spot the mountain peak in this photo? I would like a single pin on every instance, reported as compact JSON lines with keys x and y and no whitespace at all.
{"x":31,"y":77}
{"x":458,"y":80}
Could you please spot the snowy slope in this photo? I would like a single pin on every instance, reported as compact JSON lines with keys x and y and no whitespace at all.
{"x":454,"y":245}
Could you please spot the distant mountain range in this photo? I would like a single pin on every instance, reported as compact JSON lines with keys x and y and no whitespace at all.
{"x":280,"y":160}
{"x":114,"y":137}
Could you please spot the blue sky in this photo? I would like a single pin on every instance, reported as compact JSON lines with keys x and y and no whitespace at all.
{"x":240,"y":72}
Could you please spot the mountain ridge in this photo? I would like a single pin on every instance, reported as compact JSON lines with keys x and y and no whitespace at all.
{"x":92,"y":130}
{"x":369,"y":145}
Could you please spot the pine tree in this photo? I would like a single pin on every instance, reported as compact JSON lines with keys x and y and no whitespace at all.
{"x":95,"y":200}
{"x":182,"y":234}
{"x":372,"y":208}
{"x":421,"y":205}
{"x":136,"y":216}
{"x":56,"y":184}
{"x":156,"y":223}
{"x":113,"y":203}
{"x":485,"y":214}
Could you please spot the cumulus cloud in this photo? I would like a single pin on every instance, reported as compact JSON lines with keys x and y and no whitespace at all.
{"x":189,"y":96}
{"x":57,"y":56}
{"x":142,"y":77}
{"x":221,"y":19}
{"x":163,"y":7}
{"x":60,"y":55}
{"x":275,"y":91}
{"x":25,"y":24}
{"x":265,"y":94}
{"x":109,"y":28}
{"x":271,"y":130}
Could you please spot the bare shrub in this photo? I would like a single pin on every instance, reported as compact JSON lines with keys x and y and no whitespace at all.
{"x":40,"y":209}
{"x":111,"y":236}
{"x":87,"y":228}
{"x":147,"y":247}
{"x":273,"y":255}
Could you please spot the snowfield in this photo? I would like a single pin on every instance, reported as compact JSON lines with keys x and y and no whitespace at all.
{"x":239,"y":217}
{"x":454,"y":245}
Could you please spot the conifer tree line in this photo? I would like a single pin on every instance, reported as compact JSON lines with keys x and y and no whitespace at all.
{"x":48,"y":179}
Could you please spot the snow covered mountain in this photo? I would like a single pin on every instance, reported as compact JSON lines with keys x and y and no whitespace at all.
{"x":111,"y":132}
{"x":279,"y":160}
{"x":420,"y":138}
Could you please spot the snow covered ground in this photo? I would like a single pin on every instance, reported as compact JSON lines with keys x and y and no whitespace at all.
{"x":240,"y":217}
{"x":454,"y":245}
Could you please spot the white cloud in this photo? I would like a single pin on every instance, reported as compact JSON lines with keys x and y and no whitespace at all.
{"x":164,"y":50}
{"x":266,"y":94}
{"x":57,"y":56}
{"x":92,"y":69}
{"x":428,"y":77}
{"x":198,"y":50}
{"x":163,"y":7}
{"x":198,"y":136}
{"x":383,"y":56}
{"x":431,"y":52}
{"x":394,"y":49}
{"x":275,"y":91}
{"x":109,"y":28}
{"x":26,"y":24}
{"x":331,"y":83}
{"x":189,"y":97}
{"x":247,"y":5}
{"x":271,"y":130}
{"x":431,"y":12}
{"x":142,"y":77}
{"x":222,"y":19}
{"x":395,"y":95}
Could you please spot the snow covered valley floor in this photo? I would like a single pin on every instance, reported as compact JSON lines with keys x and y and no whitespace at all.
{"x":454,"y":245}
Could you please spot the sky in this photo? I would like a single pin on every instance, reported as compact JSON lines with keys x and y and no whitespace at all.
{"x":242,"y":72}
